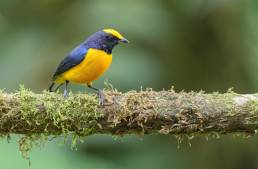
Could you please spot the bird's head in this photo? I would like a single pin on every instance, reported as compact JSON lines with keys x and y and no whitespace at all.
{"x":105,"y":40}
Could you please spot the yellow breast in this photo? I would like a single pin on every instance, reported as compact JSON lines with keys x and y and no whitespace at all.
{"x":96,"y":62}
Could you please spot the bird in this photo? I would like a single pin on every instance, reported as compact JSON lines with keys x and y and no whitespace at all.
{"x":87,"y":62}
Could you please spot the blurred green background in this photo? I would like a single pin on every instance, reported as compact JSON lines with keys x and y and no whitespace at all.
{"x":209,"y":45}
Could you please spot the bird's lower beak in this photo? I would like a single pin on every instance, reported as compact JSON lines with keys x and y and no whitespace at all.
{"x":123,"y":41}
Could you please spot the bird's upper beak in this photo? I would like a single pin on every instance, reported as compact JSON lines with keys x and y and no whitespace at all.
{"x":123,"y":41}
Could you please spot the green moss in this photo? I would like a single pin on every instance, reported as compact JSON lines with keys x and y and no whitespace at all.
{"x":186,"y":115}
{"x":26,"y":143}
{"x":56,"y":112}
{"x":251,"y":106}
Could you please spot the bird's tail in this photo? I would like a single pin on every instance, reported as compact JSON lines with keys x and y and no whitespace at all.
{"x":50,"y":89}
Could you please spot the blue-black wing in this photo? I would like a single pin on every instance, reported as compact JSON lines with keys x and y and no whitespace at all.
{"x":73,"y":59}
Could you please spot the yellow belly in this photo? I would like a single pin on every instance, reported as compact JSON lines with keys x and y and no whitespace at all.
{"x":96,"y":62}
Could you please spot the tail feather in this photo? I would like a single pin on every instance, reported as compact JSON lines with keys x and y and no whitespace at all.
{"x":50,"y":89}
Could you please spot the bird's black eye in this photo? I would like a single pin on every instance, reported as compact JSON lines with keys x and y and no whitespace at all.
{"x":109,"y":37}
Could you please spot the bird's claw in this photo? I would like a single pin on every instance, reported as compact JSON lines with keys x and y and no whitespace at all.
{"x":65,"y":94}
{"x":101,"y":97}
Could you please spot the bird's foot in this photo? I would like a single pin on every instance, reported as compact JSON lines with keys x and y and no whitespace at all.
{"x":102,"y":99}
{"x":65,"y":94}
{"x":101,"y":96}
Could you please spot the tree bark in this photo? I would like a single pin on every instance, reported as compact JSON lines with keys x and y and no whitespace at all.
{"x":165,"y":112}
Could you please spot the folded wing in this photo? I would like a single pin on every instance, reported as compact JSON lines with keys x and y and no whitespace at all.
{"x":73,"y":59}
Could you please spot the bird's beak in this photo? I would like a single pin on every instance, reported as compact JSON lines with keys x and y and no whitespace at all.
{"x":123,"y":41}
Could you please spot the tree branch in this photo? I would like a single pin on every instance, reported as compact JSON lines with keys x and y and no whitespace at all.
{"x":166,"y":112}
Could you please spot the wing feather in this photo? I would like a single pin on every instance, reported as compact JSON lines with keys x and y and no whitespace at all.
{"x":73,"y":59}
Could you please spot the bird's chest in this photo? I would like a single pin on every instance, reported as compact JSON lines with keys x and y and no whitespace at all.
{"x":96,"y":62}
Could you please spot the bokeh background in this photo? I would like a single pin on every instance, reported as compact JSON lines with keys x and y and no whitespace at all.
{"x":209,"y":45}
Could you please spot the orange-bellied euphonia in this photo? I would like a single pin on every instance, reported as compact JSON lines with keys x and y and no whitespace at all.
{"x":88,"y":61}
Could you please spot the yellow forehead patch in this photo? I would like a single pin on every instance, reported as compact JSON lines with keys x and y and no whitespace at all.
{"x":114,"y":33}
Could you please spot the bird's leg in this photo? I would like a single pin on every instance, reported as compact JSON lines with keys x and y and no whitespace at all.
{"x":100,"y":94}
{"x":66,"y":88}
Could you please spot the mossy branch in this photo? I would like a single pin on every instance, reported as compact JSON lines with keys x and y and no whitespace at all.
{"x":165,"y":112}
